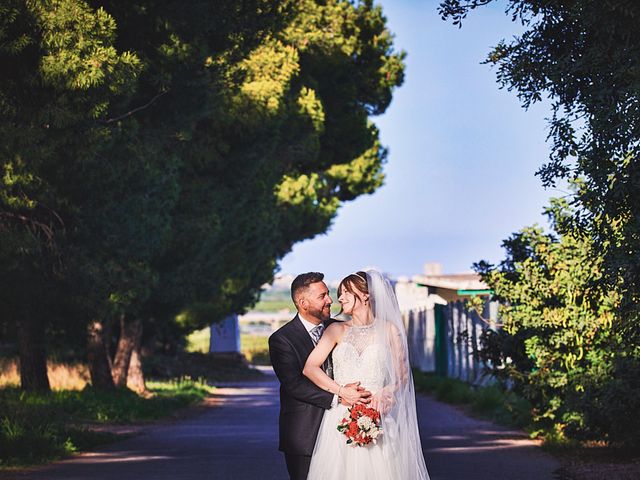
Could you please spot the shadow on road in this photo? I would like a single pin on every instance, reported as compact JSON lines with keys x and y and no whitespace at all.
{"x":236,"y":437}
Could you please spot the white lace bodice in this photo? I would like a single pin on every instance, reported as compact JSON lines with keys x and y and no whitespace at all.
{"x":358,"y":357}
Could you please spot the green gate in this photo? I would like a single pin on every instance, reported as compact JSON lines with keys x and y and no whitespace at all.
{"x":441,"y":341}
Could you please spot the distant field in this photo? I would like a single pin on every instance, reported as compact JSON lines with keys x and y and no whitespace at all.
{"x":254,"y":347}
{"x":273,"y":300}
{"x":273,"y":306}
{"x":276,"y":294}
{"x":277,"y":300}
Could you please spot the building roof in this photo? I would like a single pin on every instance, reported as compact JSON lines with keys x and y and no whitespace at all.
{"x":455,"y":281}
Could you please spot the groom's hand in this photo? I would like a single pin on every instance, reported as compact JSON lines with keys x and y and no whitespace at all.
{"x":353,"y":393}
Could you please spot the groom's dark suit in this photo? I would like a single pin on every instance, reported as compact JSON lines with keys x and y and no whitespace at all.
{"x":302,"y":403}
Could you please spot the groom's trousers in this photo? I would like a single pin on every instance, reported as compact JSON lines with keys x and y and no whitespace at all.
{"x":298,"y":466}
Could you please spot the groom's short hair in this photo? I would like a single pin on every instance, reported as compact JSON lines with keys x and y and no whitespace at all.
{"x":302,"y":282}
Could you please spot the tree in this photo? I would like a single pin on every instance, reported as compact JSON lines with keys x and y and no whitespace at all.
{"x":302,"y":99}
{"x":59,"y":71}
{"x":196,"y":147}
{"x":86,"y":183}
{"x":584,"y":56}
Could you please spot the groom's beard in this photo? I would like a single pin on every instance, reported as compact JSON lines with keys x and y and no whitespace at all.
{"x":323,"y":314}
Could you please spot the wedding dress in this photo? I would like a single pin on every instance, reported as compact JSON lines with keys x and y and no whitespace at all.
{"x":375,"y":355}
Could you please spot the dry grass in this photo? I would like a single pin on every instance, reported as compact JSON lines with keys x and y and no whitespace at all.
{"x":9,"y":374}
{"x":61,"y":376}
{"x":255,"y":348}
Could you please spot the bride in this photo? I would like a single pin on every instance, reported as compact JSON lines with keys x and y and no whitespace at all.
{"x":371,"y":348}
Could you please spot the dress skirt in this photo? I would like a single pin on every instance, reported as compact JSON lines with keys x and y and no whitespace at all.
{"x":333,"y":459}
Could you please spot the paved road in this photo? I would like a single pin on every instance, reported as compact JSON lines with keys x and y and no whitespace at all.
{"x":238,"y":440}
{"x":457,"y":447}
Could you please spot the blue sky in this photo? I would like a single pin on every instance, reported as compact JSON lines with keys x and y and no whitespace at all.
{"x":462,"y":157}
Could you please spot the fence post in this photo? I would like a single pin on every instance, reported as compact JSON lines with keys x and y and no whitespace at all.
{"x":441,"y":335}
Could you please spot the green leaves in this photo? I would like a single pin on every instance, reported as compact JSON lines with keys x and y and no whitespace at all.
{"x":554,"y":307}
{"x":78,"y":51}
{"x":584,"y":57}
{"x":175,"y":152}
{"x":17,"y":179}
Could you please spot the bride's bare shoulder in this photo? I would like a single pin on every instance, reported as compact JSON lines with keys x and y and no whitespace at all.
{"x":337,"y":328}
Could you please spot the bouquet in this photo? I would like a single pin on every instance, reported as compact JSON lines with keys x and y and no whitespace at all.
{"x":362,"y":426}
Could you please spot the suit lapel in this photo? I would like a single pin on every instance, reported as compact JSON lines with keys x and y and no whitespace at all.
{"x":302,"y":337}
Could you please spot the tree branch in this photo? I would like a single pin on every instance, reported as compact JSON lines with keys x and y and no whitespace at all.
{"x":135,"y":110}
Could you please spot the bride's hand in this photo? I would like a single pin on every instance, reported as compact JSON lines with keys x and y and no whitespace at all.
{"x":383,"y":400}
{"x":353,"y":393}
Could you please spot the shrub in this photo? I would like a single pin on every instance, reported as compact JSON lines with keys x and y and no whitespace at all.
{"x":562,"y":347}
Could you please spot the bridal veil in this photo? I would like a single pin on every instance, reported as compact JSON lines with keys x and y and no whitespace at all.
{"x":400,"y":422}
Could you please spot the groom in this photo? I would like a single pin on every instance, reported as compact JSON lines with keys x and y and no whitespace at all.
{"x":302,"y":403}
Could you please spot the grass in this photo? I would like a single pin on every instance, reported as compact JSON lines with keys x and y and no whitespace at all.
{"x":39,"y":427}
{"x":199,"y":340}
{"x":255,"y":348}
{"x":488,"y":402}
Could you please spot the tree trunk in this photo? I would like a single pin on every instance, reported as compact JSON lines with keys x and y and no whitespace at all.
{"x":130,"y":336}
{"x":33,"y":357}
{"x":135,"y":376}
{"x":99,"y":365}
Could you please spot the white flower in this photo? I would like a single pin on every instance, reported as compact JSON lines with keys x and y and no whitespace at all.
{"x":365,"y":423}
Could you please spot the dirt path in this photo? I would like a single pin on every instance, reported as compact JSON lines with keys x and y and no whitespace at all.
{"x":238,"y":440}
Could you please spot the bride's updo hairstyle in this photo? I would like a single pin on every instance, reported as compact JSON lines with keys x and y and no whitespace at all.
{"x":351,"y":283}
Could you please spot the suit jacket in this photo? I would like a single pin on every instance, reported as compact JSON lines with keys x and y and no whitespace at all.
{"x":302,"y":403}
